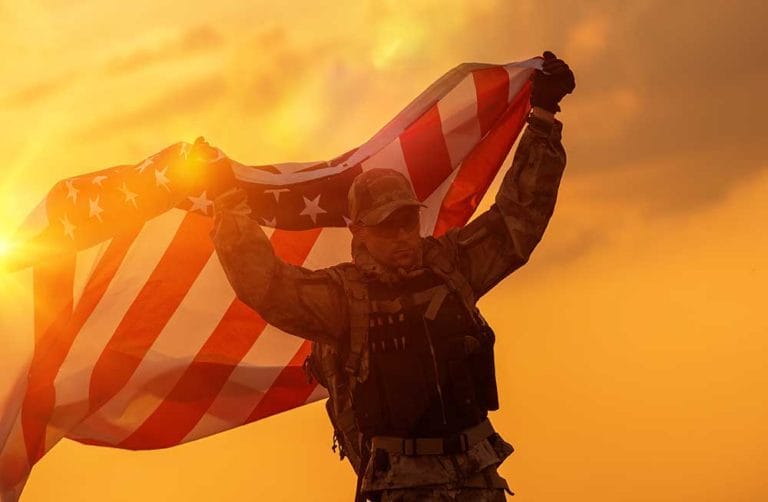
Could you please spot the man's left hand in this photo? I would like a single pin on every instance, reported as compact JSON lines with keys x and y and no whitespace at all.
{"x":552,"y":83}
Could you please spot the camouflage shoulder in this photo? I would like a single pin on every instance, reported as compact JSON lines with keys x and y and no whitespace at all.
{"x":440,"y":252}
{"x":345,"y":271}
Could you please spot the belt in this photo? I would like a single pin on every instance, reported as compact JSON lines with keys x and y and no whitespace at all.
{"x":455,"y":443}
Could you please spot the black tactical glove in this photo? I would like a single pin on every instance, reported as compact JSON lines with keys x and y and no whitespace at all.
{"x":551,"y":83}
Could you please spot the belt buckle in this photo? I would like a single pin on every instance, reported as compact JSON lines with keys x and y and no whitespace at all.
{"x":456,"y":443}
{"x":409,"y":447}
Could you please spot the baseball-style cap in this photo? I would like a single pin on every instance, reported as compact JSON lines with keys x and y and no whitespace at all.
{"x":377,"y":193}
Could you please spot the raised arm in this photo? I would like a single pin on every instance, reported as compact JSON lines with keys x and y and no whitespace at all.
{"x":299,"y":301}
{"x":500,"y":240}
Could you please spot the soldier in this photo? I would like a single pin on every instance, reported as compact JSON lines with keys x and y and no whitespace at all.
{"x":405,"y":354}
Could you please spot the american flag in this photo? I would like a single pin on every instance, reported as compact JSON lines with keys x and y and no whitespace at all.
{"x":139,"y":340}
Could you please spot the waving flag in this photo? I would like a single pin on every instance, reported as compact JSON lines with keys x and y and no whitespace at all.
{"x":140,"y":342}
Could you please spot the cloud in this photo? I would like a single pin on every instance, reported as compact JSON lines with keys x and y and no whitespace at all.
{"x":668,"y":104}
{"x":588,"y":38}
{"x":572,"y":243}
{"x":190,"y":42}
{"x":185,"y":99}
{"x":686,"y":182}
{"x":33,"y":93}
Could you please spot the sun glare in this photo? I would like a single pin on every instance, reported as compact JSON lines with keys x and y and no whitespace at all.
{"x":6,"y":251}
{"x":5,"y":247}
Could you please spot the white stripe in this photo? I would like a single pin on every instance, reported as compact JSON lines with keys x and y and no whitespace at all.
{"x":319,"y":393}
{"x":460,"y":125}
{"x":85,"y":263}
{"x":434,"y":203}
{"x":73,"y":380}
{"x":262,"y":177}
{"x":14,"y":454}
{"x":295,"y":167}
{"x":17,"y":339}
{"x":519,"y":73}
{"x":389,"y":157}
{"x":175,"y":348}
{"x":333,"y":245}
{"x":248,"y":382}
{"x":35,"y":223}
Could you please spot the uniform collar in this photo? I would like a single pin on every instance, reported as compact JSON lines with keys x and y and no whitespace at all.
{"x":374,"y":270}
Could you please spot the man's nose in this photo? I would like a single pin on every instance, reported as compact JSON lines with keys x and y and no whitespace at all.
{"x":403,"y":233}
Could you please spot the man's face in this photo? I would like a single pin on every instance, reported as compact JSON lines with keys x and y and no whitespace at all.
{"x":395,"y":242}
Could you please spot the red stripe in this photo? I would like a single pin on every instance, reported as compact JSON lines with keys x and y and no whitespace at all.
{"x":426,"y":153}
{"x":289,"y":390}
{"x":481,"y":165}
{"x":91,"y":441}
{"x":153,"y":307}
{"x":492,"y":88}
{"x":53,"y":347}
{"x":294,"y":246}
{"x":204,"y":378}
{"x":52,"y":285}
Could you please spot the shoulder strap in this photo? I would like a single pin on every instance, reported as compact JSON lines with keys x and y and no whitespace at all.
{"x":437,"y":258}
{"x":359,"y":314}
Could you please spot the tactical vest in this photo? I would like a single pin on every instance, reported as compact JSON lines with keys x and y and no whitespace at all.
{"x":392,"y":376}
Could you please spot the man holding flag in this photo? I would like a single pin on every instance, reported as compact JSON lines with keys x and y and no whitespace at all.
{"x":141,"y":335}
{"x":398,"y":341}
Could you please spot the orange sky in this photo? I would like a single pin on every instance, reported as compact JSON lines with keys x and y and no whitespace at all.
{"x":632,"y":348}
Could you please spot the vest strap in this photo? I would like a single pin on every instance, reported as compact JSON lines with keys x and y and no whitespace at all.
{"x":439,"y":261}
{"x":359,"y":318}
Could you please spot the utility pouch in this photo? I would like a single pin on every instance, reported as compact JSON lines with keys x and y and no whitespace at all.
{"x":484,"y":369}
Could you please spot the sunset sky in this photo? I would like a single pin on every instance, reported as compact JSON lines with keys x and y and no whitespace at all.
{"x":632,"y":350}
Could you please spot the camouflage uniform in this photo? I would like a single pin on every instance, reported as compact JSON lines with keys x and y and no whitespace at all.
{"x":312,"y":304}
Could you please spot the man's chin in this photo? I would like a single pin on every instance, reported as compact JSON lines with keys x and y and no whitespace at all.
{"x":406,"y":260}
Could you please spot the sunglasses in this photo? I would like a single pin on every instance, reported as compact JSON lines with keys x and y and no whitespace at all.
{"x":403,"y":219}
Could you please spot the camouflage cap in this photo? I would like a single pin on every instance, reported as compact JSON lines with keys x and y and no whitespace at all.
{"x":377,"y":193}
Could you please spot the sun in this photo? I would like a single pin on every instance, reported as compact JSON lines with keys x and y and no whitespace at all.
{"x":5,"y":247}
{"x":6,"y":252}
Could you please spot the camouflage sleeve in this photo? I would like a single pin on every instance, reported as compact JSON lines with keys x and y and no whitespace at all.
{"x":305,"y":303}
{"x":502,"y":239}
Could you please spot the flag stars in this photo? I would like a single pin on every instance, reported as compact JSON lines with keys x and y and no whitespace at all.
{"x":312,"y":208}
{"x":141,"y":167}
{"x":161,"y":179}
{"x":270,"y":222}
{"x":98,"y":180}
{"x":71,"y":191}
{"x":129,"y":196}
{"x":201,"y":203}
{"x":94,"y":210}
{"x":184,"y":150}
{"x":69,"y":228}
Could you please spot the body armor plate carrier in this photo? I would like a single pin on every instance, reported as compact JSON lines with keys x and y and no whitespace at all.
{"x":444,"y":366}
